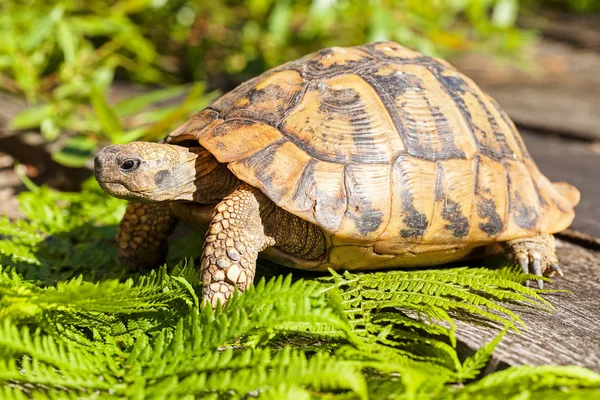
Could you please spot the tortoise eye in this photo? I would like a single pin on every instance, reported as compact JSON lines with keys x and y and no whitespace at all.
{"x":129,"y":165}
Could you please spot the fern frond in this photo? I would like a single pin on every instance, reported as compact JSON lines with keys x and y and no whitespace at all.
{"x":20,"y":341}
{"x":294,"y":308}
{"x":473,"y":365}
{"x":10,"y":278}
{"x":37,"y":373}
{"x":524,"y":379}
{"x":458,"y":289}
{"x":270,"y":371}
{"x":428,"y":327}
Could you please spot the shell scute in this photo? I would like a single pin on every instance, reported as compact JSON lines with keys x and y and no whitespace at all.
{"x":367,"y":188}
{"x":274,"y":169}
{"x":224,"y":140}
{"x":342,"y":120}
{"x":269,"y":100}
{"x":320,"y":196}
{"x":393,"y":51}
{"x":424,"y":115}
{"x":453,"y":202}
{"x":489,"y":218}
{"x":484,"y":123}
{"x":413,"y":188}
{"x":524,"y":203}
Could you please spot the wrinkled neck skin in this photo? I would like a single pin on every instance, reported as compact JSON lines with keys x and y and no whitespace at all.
{"x":199,"y":178}
{"x":163,"y":173}
{"x":212,"y":182}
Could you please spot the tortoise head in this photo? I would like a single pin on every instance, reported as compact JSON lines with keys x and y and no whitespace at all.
{"x":144,"y":171}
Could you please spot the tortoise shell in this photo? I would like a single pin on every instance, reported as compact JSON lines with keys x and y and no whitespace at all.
{"x":387,"y":150}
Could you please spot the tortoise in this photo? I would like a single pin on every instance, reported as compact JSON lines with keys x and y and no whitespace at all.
{"x":356,"y":158}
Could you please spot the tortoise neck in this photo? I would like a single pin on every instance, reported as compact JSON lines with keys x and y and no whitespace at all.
{"x":213,"y":180}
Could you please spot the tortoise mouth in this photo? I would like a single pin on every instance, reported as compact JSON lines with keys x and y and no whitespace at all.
{"x":116,"y":189}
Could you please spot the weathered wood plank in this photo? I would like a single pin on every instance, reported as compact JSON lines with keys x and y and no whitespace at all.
{"x":582,"y":30}
{"x":560,"y":93}
{"x":570,"y":335}
{"x":575,"y":162}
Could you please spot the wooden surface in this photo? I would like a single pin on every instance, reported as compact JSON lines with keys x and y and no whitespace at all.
{"x":570,"y":335}
{"x":558,"y":93}
{"x":577,"y":163}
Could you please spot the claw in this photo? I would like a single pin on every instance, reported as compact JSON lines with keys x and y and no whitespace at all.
{"x":540,"y":284}
{"x":524,"y":264}
{"x":557,"y":269}
{"x":537,"y":270}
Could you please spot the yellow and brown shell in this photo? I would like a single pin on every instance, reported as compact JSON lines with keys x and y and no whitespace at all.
{"x":387,"y":150}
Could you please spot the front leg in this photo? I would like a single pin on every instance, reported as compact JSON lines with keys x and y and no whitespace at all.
{"x":234,"y":238}
{"x":143,"y":232}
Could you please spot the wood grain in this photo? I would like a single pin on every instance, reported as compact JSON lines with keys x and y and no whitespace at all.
{"x":570,"y":335}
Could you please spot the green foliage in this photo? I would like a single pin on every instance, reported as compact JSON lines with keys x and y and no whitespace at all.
{"x":88,"y":329}
{"x":63,"y":56}
{"x":244,"y":40}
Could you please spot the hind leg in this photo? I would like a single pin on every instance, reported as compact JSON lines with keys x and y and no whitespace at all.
{"x":536,"y":255}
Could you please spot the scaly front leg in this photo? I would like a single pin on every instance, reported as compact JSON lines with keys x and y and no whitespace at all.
{"x":235,"y":237}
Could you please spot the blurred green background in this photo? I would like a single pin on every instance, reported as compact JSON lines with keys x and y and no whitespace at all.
{"x":63,"y":56}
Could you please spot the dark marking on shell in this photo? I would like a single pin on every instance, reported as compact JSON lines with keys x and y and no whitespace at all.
{"x":418,"y":143}
{"x":456,"y":86}
{"x":226,"y":103}
{"x":269,"y":104}
{"x":538,"y":191}
{"x":515,"y":133}
{"x":526,"y":217}
{"x":414,"y":219}
{"x":224,"y":129}
{"x":387,"y":88}
{"x":341,"y":101}
{"x":262,"y":163}
{"x":310,"y":66}
{"x":445,"y":137}
{"x":366,"y":220}
{"x":487,"y":210}
{"x":458,"y":223}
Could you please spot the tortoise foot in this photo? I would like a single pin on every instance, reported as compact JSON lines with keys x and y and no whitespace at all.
{"x":536,"y":255}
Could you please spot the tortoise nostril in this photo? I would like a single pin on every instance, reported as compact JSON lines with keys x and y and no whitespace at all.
{"x":129,"y":165}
